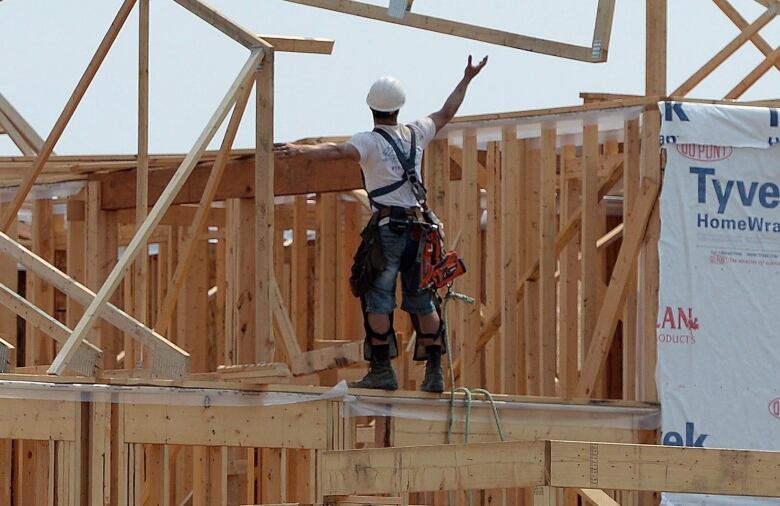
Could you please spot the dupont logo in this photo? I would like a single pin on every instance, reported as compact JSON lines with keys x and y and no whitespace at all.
{"x":705,"y":153}
{"x":677,"y":325}
{"x":774,"y":408}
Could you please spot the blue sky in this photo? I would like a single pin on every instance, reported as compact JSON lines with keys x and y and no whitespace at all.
{"x":47,"y":44}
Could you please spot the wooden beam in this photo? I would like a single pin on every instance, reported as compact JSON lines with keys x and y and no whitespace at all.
{"x":171,"y":356}
{"x":299,"y":44}
{"x":514,"y":363}
{"x":603,"y":29}
{"x":741,"y":23}
{"x":596,"y":496}
{"x":179,"y":216}
{"x":469,"y":248}
{"x":568,"y":315}
{"x":548,"y":260}
{"x":223,"y":24}
{"x":655,"y":84}
{"x":140,"y":283}
{"x":16,"y":137}
{"x":664,"y":469}
{"x":201,"y":214}
{"x":97,"y":305}
{"x":432,"y":468}
{"x":311,"y":362}
{"x":283,"y":324}
{"x":589,"y":265}
{"x":632,"y":151}
{"x":722,"y":55}
{"x":19,"y":127}
{"x":291,"y":177}
{"x":87,"y":356}
{"x":756,"y":74}
{"x":611,"y":308}
{"x":455,"y":28}
{"x":9,"y":213}
{"x":264,"y":209}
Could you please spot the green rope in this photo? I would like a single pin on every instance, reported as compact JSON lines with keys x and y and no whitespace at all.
{"x":451,"y":294}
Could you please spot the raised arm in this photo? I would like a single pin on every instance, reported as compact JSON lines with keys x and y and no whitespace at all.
{"x":451,"y":106}
{"x":326,"y":151}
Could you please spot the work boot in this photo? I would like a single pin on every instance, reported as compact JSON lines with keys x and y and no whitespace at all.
{"x":434,"y":377}
{"x":381,"y":375}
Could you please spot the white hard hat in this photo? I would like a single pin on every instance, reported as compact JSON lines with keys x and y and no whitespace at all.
{"x":386,"y":95}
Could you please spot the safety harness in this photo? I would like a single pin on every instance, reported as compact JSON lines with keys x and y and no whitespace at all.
{"x":408,"y":163}
{"x":438,"y":267}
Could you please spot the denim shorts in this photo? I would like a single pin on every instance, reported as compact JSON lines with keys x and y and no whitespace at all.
{"x":401,"y":253}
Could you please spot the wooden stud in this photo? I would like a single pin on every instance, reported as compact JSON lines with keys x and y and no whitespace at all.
{"x":530,"y":304}
{"x":493,"y":359}
{"x":547,"y":264}
{"x":193,"y":312}
{"x":264,"y":209}
{"x":327,"y":252}
{"x":9,"y":276}
{"x":469,"y":249}
{"x":544,"y":496}
{"x":569,"y":275}
{"x":300,"y":271}
{"x":96,"y":306}
{"x":632,"y":154}
{"x":239,"y":305}
{"x":140,"y":270}
{"x":39,"y":349}
{"x":512,"y":349}
{"x":590,"y":234}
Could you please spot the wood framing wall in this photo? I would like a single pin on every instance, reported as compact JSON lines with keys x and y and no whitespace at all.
{"x":228,"y":270}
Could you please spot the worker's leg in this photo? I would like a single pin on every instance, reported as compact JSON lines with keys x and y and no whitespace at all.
{"x":380,"y":346}
{"x":423,"y":309}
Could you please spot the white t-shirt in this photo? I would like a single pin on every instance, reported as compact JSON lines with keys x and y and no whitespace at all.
{"x":380,"y":164}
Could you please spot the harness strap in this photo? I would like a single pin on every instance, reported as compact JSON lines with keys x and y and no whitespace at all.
{"x":408,"y":163}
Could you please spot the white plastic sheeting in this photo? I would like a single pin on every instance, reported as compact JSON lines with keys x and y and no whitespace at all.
{"x":718,"y":370}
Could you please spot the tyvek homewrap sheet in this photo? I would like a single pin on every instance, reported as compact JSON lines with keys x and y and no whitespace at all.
{"x":718,"y":330}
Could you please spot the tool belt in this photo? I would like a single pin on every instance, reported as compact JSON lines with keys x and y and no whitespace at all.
{"x":369,"y":259}
{"x":438,"y":267}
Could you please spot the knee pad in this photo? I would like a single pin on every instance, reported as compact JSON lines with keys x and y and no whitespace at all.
{"x":388,"y":337}
{"x":420,"y":353}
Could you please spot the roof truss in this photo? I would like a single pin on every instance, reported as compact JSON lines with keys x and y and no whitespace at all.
{"x":596,"y":53}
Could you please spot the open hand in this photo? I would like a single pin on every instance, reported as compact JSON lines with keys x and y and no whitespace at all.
{"x":286,"y":150}
{"x":472,"y":70}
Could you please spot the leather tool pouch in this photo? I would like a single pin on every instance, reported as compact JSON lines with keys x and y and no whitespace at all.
{"x":369,"y":259}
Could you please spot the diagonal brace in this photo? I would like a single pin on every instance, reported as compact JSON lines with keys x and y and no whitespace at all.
{"x":92,"y":312}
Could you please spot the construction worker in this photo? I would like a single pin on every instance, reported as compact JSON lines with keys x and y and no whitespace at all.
{"x":390,"y":158}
